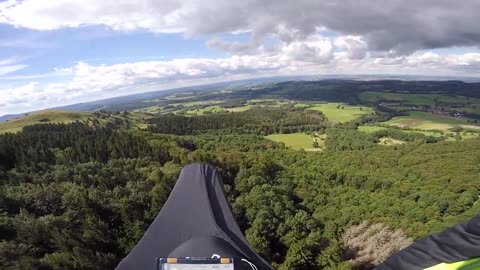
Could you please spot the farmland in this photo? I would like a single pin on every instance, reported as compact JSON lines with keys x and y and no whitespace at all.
{"x":429,"y":121}
{"x":339,"y":112}
{"x":298,"y":141}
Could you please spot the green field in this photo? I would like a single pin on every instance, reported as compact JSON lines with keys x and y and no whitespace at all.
{"x":152,"y":110}
{"x":370,"y":129}
{"x":204,"y":107}
{"x":298,"y":141}
{"x":339,"y":112}
{"x":42,"y":117}
{"x":239,"y":109}
{"x":216,"y":109}
{"x":405,"y":102}
{"x":197,"y":103}
{"x":206,"y":110}
{"x":465,"y":134}
{"x":429,"y":121}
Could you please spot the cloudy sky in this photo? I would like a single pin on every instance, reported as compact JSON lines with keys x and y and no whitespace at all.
{"x":60,"y":52}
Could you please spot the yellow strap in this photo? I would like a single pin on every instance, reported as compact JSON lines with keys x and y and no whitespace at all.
{"x":473,"y":264}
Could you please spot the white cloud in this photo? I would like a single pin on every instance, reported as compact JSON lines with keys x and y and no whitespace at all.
{"x":354,"y":46}
{"x":94,"y":82}
{"x":317,"y":50}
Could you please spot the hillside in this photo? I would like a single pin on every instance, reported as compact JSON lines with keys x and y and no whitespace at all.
{"x":42,"y":117}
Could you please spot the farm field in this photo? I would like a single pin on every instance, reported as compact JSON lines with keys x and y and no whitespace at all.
{"x":298,"y":141}
{"x":216,"y":109}
{"x":405,"y":102}
{"x":339,"y":112}
{"x":465,"y":134}
{"x":370,"y":129}
{"x":429,"y":121}
{"x":335,"y":112}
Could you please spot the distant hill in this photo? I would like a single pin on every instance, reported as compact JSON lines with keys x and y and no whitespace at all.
{"x":8,"y":117}
{"x":137,"y":101}
{"x":47,"y":116}
{"x":462,"y":86}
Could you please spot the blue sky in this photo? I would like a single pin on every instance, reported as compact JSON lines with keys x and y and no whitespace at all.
{"x":45,"y":51}
{"x":62,"y":52}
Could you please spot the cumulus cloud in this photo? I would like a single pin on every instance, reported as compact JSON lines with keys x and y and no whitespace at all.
{"x":319,"y":50}
{"x":394,"y":26}
{"x":93,"y":82}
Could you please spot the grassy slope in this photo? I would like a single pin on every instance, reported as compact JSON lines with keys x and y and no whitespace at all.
{"x":35,"y":118}
{"x":297,"y":141}
{"x":335,"y":114}
{"x":370,"y":129}
{"x":427,"y":120}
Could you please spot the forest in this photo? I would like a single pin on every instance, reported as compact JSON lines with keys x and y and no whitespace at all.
{"x":80,"y":194}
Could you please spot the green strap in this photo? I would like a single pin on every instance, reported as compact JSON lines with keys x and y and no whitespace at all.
{"x":473,"y":264}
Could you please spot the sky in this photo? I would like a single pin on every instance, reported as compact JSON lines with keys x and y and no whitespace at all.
{"x":61,"y":52}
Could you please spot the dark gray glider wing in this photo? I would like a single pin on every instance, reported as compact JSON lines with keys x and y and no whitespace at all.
{"x":456,"y":244}
{"x":196,"y":209}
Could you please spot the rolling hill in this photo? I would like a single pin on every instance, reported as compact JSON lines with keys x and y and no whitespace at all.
{"x":47,"y":116}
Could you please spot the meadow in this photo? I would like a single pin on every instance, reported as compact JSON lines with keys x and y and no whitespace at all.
{"x":298,"y":141}
{"x":429,"y":121}
{"x":339,"y":112}
{"x":42,"y":117}
{"x":216,"y":109}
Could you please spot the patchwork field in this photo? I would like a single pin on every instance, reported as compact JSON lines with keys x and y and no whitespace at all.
{"x":429,"y":121}
{"x":42,"y":117}
{"x":404,"y":102}
{"x":451,"y":136}
{"x":335,"y":112}
{"x":339,"y":112}
{"x":216,"y":109}
{"x":298,"y":141}
{"x":371,"y":129}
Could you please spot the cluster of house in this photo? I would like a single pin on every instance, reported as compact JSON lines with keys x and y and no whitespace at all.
{"x":438,"y":110}
{"x":433,"y":109}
